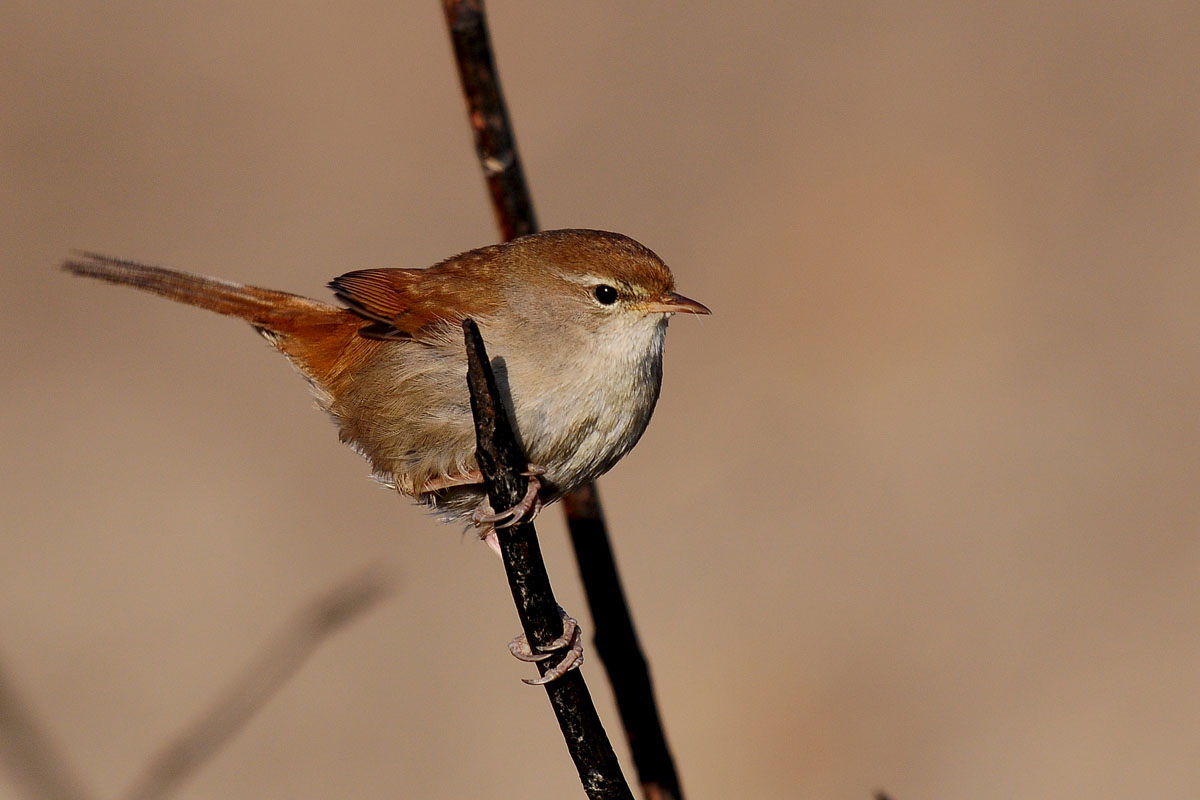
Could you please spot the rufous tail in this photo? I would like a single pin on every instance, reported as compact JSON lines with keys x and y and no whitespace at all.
{"x":313,"y":334}
{"x":263,"y":308}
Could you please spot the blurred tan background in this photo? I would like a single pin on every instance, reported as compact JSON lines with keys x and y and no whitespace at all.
{"x":918,"y":510}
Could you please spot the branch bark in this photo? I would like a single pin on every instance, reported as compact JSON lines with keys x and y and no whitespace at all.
{"x":618,"y":647}
{"x":495,"y":143}
{"x":616,"y":639}
{"x":501,"y":462}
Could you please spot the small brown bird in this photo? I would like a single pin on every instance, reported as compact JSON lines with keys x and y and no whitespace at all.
{"x":574,"y":321}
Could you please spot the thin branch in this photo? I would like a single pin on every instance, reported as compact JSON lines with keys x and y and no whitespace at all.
{"x":312,"y":626}
{"x":494,"y":140}
{"x":618,"y":646}
{"x":616,"y":638}
{"x":502,"y":462}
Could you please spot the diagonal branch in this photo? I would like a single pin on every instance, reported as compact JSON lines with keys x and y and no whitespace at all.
{"x":616,"y":638}
{"x":34,"y":762}
{"x":495,"y":142}
{"x":502,"y":462}
{"x":618,"y":647}
{"x":198,"y":743}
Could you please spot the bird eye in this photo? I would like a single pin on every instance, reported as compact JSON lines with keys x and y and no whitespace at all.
{"x":605,"y":294}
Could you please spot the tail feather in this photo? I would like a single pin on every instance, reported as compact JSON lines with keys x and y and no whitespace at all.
{"x":321,"y":340}
{"x":272,"y":311}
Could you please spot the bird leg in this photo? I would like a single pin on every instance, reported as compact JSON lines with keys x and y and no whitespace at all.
{"x":571,"y":642}
{"x":524,"y":511}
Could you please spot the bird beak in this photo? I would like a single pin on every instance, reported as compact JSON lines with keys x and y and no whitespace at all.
{"x":672,"y":303}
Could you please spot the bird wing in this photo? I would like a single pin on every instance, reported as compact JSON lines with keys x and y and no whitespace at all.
{"x":402,"y":303}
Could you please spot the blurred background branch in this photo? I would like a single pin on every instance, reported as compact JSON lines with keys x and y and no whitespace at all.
{"x":259,"y":682}
{"x":27,"y":752}
{"x":43,"y":774}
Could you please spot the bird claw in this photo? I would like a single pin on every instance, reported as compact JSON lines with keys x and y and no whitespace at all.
{"x":524,"y":511}
{"x":570,"y":641}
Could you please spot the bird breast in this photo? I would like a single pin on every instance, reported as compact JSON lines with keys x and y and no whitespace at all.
{"x":579,"y":406}
{"x":578,"y":415}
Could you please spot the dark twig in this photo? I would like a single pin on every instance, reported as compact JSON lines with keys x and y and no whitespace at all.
{"x":616,"y":639}
{"x":617,"y":645}
{"x":494,"y":140}
{"x":501,"y":461}
{"x":196,"y":745}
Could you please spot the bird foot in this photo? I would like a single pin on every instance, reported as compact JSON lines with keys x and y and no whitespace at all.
{"x":524,"y":511}
{"x":571,"y":642}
